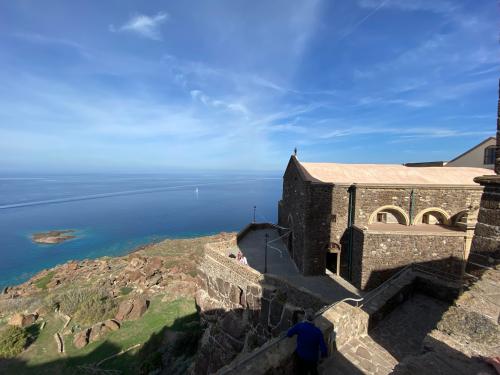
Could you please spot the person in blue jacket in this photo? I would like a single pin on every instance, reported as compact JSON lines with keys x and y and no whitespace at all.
{"x":309,"y":343}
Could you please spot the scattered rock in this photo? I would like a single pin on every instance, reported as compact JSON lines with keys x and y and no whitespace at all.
{"x":132,"y":309}
{"x":139,"y":308}
{"x":153,"y":280}
{"x":134,"y":275}
{"x":124,"y":309}
{"x":112,"y":324}
{"x":72,"y":266}
{"x":21,"y":320}
{"x":137,"y":262}
{"x":97,"y":331}
{"x":82,"y":338}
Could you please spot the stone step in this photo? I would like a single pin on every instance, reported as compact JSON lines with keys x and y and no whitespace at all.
{"x":360,"y":356}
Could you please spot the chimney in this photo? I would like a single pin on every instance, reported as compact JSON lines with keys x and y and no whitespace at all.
{"x":497,"y":151}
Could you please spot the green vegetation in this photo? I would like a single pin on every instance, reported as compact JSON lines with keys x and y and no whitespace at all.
{"x":13,"y":340}
{"x":178,"y":316}
{"x":169,"y":329}
{"x":125,"y":290}
{"x":43,"y":281}
{"x":85,"y":306}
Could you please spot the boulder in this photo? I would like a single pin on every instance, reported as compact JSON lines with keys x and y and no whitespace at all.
{"x":153,"y":265}
{"x":132,"y":309}
{"x":21,"y":320}
{"x":72,"y":266}
{"x":140,"y":306}
{"x":154,"y":279}
{"x":97,"y":331}
{"x":124,"y":309}
{"x":81,"y":338}
{"x":112,"y":324}
{"x":134,"y":275}
{"x":137,"y":262}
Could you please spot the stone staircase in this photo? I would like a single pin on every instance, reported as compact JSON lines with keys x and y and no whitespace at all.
{"x":361,"y":355}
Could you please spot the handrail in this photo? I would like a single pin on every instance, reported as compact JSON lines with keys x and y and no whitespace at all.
{"x":279,"y":339}
{"x":382,"y":287}
{"x":432,"y":271}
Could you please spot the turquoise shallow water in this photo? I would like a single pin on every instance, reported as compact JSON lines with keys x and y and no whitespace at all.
{"x":114,"y":214}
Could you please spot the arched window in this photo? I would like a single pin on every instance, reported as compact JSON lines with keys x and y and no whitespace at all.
{"x":489,"y":155}
{"x":434,"y":215}
{"x":389,"y":215}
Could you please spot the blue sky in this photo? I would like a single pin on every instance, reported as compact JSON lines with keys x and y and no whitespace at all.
{"x":160,"y":85}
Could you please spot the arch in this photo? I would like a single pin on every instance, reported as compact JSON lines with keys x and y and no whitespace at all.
{"x":400,"y":214}
{"x":439,"y":213}
{"x":460,"y":217}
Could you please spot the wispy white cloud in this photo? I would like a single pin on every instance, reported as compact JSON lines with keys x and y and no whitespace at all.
{"x":436,"y":6}
{"x":403,"y":133}
{"x":50,"y":40}
{"x":217,"y":103}
{"x":146,"y":26}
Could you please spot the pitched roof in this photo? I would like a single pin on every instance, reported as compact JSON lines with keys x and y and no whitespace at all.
{"x":391,"y":174}
{"x":472,"y":148}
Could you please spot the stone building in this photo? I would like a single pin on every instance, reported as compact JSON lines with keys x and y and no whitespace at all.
{"x":481,"y":155}
{"x":366,"y":221}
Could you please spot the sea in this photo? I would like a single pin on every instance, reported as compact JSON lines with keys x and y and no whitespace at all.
{"x":112,"y":214}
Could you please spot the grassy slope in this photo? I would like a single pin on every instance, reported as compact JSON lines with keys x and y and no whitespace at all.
{"x":41,"y":357}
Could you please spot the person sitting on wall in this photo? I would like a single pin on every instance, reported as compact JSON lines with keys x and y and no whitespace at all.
{"x":241,"y":258}
{"x":309,"y":343}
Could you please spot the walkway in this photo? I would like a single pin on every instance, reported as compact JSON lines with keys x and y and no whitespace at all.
{"x":399,"y":335}
{"x":331,"y":287}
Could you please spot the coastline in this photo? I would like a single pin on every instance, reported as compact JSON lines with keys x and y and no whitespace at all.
{"x":144,"y":248}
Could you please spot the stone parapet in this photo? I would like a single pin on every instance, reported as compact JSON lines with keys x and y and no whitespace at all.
{"x":276,"y":356}
{"x":377,"y":255}
{"x":242,"y":307}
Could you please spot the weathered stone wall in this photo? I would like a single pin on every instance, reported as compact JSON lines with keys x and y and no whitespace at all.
{"x":348,"y":322}
{"x":242,"y":308}
{"x":293,"y":210}
{"x":453,"y":200}
{"x":377,"y":255}
{"x":317,"y":213}
{"x":318,"y":221}
{"x":486,"y":239}
{"x":340,"y":214}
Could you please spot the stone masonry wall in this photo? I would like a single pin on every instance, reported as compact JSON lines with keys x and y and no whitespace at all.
{"x":293,"y":210}
{"x":349,"y":322}
{"x":451,"y":199}
{"x":242,"y":308}
{"x":377,"y":255}
{"x":318,"y":224}
{"x":317,"y":213}
{"x":486,"y":239}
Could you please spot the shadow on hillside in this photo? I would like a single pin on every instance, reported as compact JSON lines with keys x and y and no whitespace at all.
{"x":169,"y":350}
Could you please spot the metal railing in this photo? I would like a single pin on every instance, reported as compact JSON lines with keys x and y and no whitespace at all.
{"x":283,"y":336}
{"x":384,"y":286}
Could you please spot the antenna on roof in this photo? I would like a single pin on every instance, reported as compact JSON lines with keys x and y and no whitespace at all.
{"x":295,"y":151}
